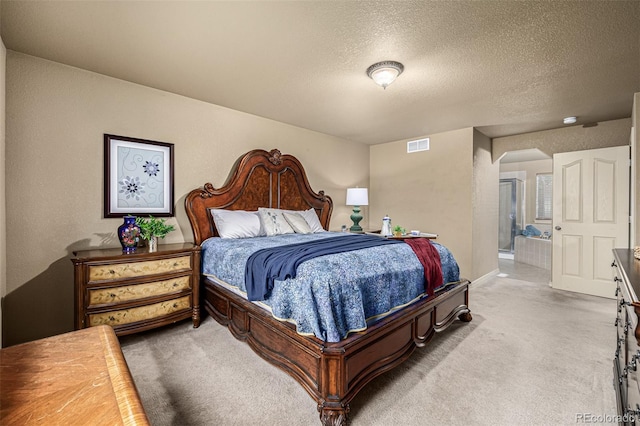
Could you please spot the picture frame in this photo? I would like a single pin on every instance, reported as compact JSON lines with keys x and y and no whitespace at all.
{"x":138,"y":177}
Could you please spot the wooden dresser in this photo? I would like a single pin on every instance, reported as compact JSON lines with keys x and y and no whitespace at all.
{"x":137,"y":291}
{"x":70,"y":379}
{"x":627,"y":353}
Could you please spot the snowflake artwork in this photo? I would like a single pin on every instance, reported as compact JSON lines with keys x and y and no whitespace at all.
{"x":140,"y":178}
{"x":151,"y":169}
{"x":131,"y":187}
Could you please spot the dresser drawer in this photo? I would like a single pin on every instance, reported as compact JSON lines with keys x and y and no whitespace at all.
{"x":117,"y":271}
{"x":128,"y":293}
{"x":147,"y":312}
{"x":633,"y":394}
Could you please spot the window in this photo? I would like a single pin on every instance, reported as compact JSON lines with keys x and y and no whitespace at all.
{"x":544,"y":196}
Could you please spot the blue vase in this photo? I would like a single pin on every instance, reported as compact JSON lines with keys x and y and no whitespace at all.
{"x":129,"y":234}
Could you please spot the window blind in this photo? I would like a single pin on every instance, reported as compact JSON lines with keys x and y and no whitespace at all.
{"x":544,"y":196}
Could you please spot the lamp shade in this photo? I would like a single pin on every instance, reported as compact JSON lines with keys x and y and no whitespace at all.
{"x":357,"y":197}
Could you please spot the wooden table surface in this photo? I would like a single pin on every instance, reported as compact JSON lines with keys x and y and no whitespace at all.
{"x":74,"y":378}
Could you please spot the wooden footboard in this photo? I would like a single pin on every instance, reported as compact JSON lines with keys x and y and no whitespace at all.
{"x":333,"y":373}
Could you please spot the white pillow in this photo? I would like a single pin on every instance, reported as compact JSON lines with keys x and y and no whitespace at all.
{"x":312,"y":219}
{"x":273,"y":222}
{"x":237,"y":223}
{"x":297,"y":222}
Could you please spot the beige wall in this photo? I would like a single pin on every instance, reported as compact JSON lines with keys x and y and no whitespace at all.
{"x":567,"y":139}
{"x":430,"y":190}
{"x":54,"y":163}
{"x":486,"y":178}
{"x":531,"y":169}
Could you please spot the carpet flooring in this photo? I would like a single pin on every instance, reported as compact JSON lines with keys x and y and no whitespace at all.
{"x":531,"y":356}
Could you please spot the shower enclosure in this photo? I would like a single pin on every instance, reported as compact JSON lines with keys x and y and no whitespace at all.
{"x":511,"y":214}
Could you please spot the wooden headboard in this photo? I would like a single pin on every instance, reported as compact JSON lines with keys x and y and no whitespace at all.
{"x":257,"y":179}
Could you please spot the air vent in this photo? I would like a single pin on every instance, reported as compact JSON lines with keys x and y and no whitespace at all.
{"x":418,"y":145}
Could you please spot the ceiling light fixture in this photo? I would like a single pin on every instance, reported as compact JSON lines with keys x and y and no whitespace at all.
{"x":569,"y":120}
{"x":385,"y":72}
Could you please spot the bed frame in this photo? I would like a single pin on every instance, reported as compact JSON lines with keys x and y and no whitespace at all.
{"x":332,"y":373}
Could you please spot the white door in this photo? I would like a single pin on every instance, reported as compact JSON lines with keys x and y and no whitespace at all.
{"x":590,"y":217}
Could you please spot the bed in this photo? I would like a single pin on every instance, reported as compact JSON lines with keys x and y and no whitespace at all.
{"x":332,"y":372}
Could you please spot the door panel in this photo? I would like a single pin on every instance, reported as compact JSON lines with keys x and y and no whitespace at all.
{"x":572,"y":188}
{"x":590,"y":217}
{"x":604,"y":191}
{"x":572,"y":255}
{"x":602,"y":249}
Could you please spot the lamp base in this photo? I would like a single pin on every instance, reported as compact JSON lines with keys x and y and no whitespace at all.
{"x":356,"y":217}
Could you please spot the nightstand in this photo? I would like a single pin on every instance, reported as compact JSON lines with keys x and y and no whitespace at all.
{"x":137,"y":291}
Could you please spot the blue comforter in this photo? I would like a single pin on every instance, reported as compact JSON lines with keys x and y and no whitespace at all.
{"x":281,"y":262}
{"x":331,"y":295}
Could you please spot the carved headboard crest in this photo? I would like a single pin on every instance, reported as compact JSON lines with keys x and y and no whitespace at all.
{"x":257,"y":179}
{"x":208,"y":190}
{"x":275,"y":157}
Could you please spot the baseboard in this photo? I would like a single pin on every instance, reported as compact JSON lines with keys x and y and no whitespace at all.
{"x":485,"y":278}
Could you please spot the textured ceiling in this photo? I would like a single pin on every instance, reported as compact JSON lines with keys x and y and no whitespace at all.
{"x":502,"y":67}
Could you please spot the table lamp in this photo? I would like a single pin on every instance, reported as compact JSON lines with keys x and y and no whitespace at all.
{"x":357,"y":197}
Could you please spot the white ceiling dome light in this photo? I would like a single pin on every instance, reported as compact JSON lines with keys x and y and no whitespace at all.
{"x":569,"y":120}
{"x":384,"y":73}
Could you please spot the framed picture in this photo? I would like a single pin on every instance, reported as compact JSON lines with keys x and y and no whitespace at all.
{"x":138,"y":177}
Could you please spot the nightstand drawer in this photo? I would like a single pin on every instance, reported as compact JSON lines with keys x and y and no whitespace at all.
{"x":147,"y":312}
{"x":127,"y":293}
{"x":116,"y":271}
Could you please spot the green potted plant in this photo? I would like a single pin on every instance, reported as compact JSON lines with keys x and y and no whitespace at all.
{"x":398,"y":231}
{"x":153,"y":228}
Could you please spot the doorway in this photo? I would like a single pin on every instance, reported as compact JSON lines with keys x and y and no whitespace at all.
{"x":510,"y":214}
{"x":590,"y":218}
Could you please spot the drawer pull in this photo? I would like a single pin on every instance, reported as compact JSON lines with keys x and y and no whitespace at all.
{"x":111,"y":271}
{"x":616,"y":279}
{"x":613,"y":264}
{"x":617,"y":321}
{"x":633,"y":413}
{"x":633,"y":363}
{"x":112,"y":295}
{"x":621,"y":304}
{"x":617,"y":291}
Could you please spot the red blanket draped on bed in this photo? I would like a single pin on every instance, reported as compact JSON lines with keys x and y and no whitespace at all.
{"x":430,"y":258}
